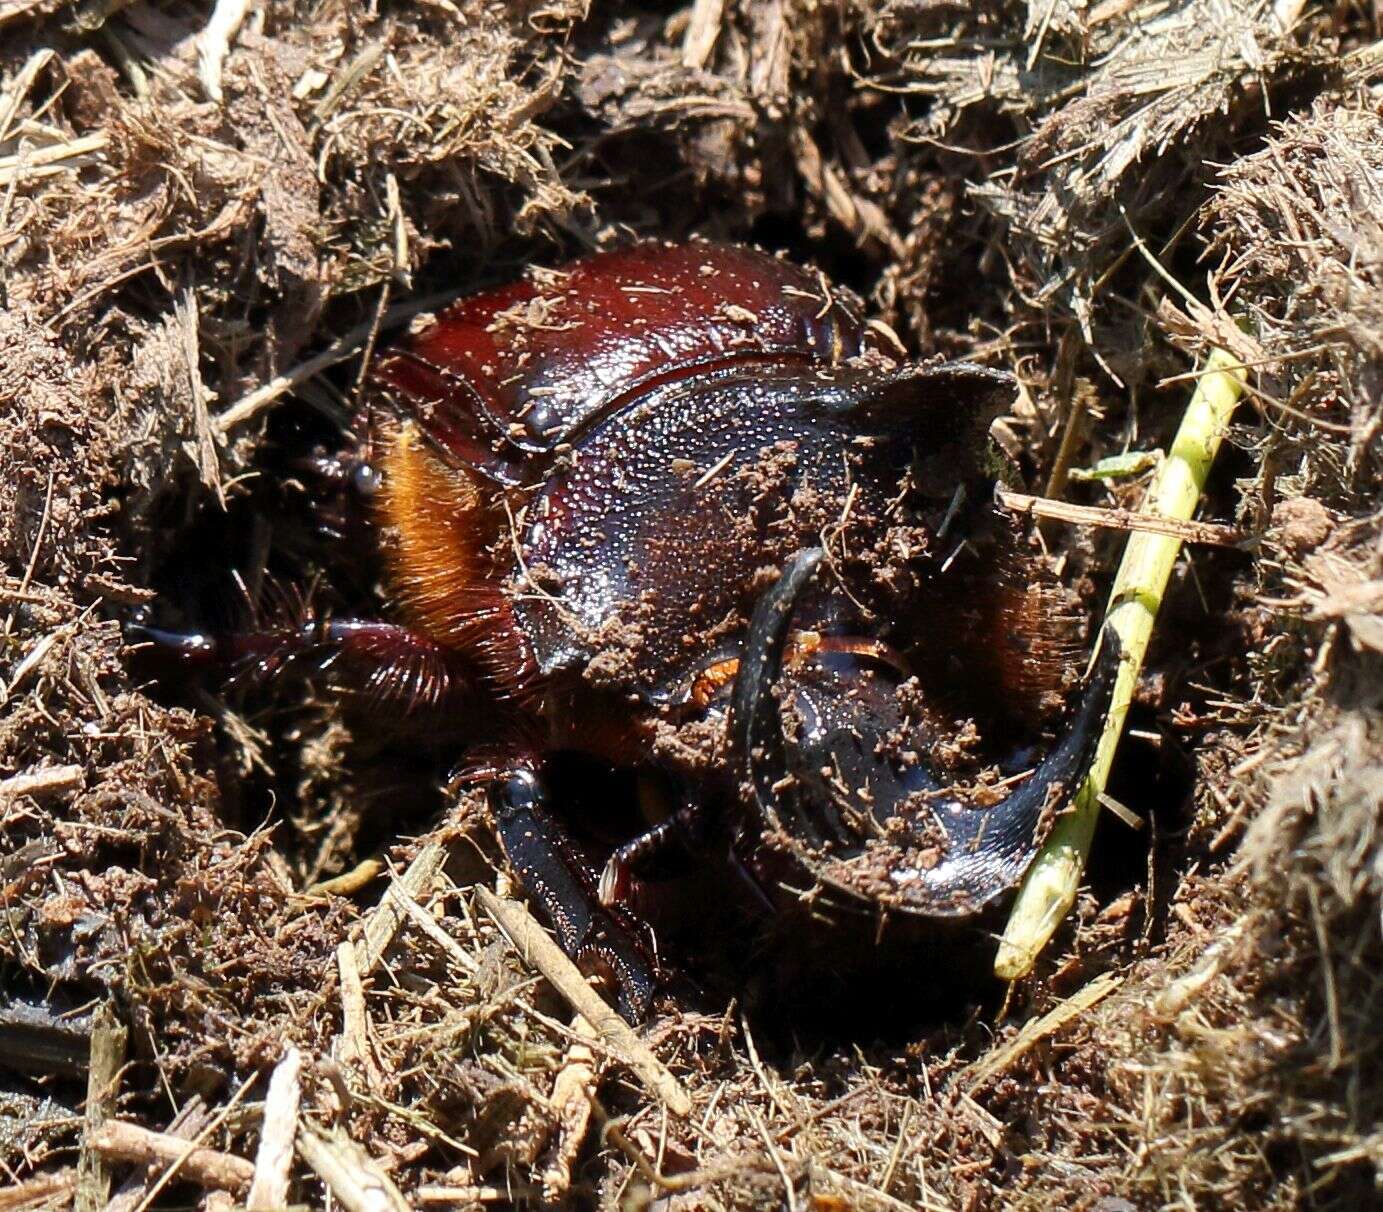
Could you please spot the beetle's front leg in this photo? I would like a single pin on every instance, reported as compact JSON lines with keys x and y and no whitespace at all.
{"x":386,"y":661}
{"x":671,"y":848}
{"x":603,"y":941}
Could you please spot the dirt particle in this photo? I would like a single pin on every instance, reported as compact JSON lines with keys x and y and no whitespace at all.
{"x":1302,"y":524}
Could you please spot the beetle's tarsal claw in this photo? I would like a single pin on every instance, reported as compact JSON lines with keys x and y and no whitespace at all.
{"x":648,"y":855}
{"x":630,"y":985}
{"x":614,"y":883}
{"x":756,"y":730}
{"x":188,"y":648}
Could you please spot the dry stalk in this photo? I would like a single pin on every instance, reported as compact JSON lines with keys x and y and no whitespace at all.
{"x":703,"y":28}
{"x":343,"y":347}
{"x":13,"y":97}
{"x":51,"y":780}
{"x":465,"y":1196}
{"x":573,"y":1091}
{"x":274,"y":1160}
{"x":428,"y":925}
{"x":354,"y":1041}
{"x":867,"y":1194}
{"x":536,"y":947}
{"x":1212,"y":533}
{"x":383,"y":924}
{"x":350,"y":1173}
{"x":108,"y":1038}
{"x":45,"y":1191}
{"x":46,"y":161}
{"x":208,"y":458}
{"x":121,"y":1141}
{"x":995,"y":1062}
{"x":1180,"y":993}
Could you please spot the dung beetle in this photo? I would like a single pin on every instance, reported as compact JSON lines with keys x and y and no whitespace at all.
{"x":678,"y":508}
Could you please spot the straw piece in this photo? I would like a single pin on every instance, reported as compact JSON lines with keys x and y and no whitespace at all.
{"x":1073,"y":1007}
{"x":351,"y":1174}
{"x":274,"y":1160}
{"x":108,"y":1039}
{"x":127,"y":1142}
{"x":535,"y":945}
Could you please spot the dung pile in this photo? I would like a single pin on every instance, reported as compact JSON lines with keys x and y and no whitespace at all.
{"x":209,"y":223}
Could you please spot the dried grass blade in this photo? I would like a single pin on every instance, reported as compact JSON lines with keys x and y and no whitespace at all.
{"x":537,"y":948}
{"x":995,"y":1062}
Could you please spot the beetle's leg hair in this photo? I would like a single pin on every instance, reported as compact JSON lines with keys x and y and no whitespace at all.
{"x":386,"y":661}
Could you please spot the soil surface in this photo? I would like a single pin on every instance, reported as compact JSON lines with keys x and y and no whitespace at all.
{"x":212,"y":217}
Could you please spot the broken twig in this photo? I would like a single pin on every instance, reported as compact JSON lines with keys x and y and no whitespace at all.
{"x":126,"y":1142}
{"x":350,"y":1173}
{"x":1212,"y":533}
{"x":50,"y":780}
{"x":572,"y":1094}
{"x":189,"y":1124}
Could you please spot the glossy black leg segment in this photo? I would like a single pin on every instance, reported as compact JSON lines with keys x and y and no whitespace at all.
{"x":662,"y":852}
{"x":602,"y":940}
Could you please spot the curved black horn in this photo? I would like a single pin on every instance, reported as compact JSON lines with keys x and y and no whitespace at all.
{"x":989,"y":850}
{"x":756,"y":731}
{"x":964,"y":856}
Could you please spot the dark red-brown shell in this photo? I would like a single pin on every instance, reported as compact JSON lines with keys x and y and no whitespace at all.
{"x":685,"y":415}
{"x":501,"y":377}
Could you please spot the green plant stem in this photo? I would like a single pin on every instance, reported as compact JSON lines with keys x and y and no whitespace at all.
{"x":1049,"y":889}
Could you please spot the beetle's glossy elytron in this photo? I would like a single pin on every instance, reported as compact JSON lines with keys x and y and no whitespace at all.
{"x":677,"y":507}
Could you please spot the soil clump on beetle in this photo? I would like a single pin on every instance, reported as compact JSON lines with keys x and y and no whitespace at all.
{"x":207,"y":233}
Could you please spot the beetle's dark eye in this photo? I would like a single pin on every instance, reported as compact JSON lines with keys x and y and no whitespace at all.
{"x":365,"y":479}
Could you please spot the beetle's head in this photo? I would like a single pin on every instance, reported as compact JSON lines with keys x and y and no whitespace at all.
{"x":834,"y":768}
